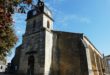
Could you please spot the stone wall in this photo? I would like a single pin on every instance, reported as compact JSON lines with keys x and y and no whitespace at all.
{"x":33,"y":44}
{"x":48,"y":51}
{"x":16,"y":59}
{"x":107,"y":64}
{"x":3,"y":66}
{"x":68,"y":57}
{"x":94,"y":58}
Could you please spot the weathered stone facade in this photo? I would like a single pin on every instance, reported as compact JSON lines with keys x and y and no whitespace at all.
{"x":3,"y":66}
{"x":35,"y":57}
{"x":107,"y":64}
{"x":69,"y":56}
{"x":48,"y":52}
{"x":94,"y":58}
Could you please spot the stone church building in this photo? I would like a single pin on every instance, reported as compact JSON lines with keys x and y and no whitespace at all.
{"x":45,"y":51}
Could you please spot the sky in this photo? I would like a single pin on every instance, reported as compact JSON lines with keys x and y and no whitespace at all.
{"x":90,"y":17}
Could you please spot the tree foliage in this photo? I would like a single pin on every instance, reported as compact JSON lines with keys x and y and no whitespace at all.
{"x":7,"y":36}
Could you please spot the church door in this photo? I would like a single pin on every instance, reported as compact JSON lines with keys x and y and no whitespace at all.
{"x":30,"y":70}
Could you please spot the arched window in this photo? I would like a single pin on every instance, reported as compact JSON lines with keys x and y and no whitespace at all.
{"x":30,"y":69}
{"x":48,"y":24}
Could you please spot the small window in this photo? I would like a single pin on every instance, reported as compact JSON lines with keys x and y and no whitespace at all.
{"x":1,"y":67}
{"x":48,"y":24}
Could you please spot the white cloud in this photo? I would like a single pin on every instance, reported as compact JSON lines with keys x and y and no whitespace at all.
{"x":62,"y":18}
{"x":65,"y":19}
{"x":19,"y":32}
{"x":85,"y":20}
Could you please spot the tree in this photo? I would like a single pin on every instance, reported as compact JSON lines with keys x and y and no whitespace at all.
{"x":7,"y":36}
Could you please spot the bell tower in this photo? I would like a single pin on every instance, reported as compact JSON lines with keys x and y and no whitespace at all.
{"x":39,"y":18}
{"x":37,"y":43}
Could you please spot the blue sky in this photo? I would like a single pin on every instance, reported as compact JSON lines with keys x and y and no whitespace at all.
{"x":91,"y":17}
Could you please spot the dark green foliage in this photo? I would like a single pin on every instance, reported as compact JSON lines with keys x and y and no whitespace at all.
{"x":7,"y":35}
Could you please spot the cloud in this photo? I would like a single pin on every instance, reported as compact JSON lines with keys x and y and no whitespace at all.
{"x":60,"y":0}
{"x":55,"y":2}
{"x":19,"y":32}
{"x":65,"y":19}
{"x":85,"y":20}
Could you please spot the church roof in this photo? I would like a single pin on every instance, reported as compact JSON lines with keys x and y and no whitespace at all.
{"x":91,"y":44}
{"x":80,"y":35}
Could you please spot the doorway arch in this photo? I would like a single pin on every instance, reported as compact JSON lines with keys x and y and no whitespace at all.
{"x":31,"y":60}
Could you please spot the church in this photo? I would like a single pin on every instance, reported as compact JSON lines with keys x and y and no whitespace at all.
{"x":45,"y":51}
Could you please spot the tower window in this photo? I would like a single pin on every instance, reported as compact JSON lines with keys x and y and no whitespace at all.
{"x":1,"y":67}
{"x":48,"y":24}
